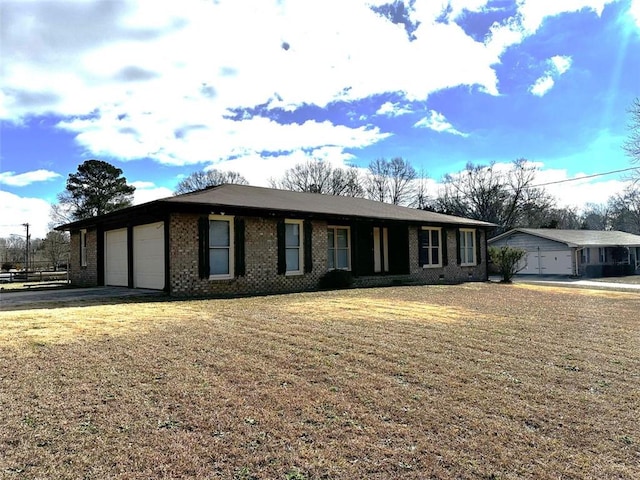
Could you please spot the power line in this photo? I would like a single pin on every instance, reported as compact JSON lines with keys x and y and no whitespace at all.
{"x":586,"y":176}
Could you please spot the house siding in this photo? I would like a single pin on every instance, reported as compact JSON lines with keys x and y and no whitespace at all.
{"x":530,"y":242}
{"x":79,"y":275}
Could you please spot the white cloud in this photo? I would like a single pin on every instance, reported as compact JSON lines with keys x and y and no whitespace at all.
{"x":557,"y":65}
{"x":634,"y":12}
{"x":258,"y":170}
{"x":534,"y":12}
{"x":561,"y":63}
{"x":148,"y":191}
{"x":161,"y":81}
{"x":23,"y":179}
{"x":577,"y":192}
{"x":16,"y":210}
{"x":196,"y":141}
{"x":391,"y":109}
{"x":436,"y":121}
{"x":542,"y":85}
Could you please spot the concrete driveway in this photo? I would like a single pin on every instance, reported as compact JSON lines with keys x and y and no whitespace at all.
{"x":69,"y":297}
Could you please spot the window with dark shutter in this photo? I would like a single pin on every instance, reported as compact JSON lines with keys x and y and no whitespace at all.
{"x":445,"y":253}
{"x":203,"y":247}
{"x":430,"y":247}
{"x":308,"y":255}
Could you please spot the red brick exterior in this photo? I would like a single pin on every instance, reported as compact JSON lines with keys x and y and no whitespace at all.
{"x":86,"y":276}
{"x":261,"y":260}
{"x":261,"y":263}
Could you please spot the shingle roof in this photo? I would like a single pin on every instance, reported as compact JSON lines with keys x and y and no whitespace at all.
{"x":258,"y":199}
{"x":283,"y":200}
{"x":580,"y":238}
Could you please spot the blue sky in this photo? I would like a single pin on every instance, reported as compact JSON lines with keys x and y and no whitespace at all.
{"x":162,"y":89}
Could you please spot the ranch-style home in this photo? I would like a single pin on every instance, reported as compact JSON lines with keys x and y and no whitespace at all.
{"x":590,"y":253}
{"x":243,"y":240}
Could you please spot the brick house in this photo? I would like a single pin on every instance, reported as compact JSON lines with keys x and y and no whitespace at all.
{"x":243,"y":240}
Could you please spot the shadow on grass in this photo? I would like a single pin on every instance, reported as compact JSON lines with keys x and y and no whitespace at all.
{"x":63,"y":297}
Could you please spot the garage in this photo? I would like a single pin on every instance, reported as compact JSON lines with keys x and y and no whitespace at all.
{"x":148,"y":256}
{"x":116,"y":271}
{"x":555,"y":262}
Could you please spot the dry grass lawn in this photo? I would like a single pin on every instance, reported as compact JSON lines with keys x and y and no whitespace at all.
{"x":473,"y":381}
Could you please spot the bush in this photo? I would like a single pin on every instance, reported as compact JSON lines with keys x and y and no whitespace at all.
{"x":508,"y":260}
{"x":335,"y":280}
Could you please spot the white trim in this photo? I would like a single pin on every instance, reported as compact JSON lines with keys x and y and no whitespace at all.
{"x":83,"y":247}
{"x":229,"y":219}
{"x":380,"y":249}
{"x":300,"y":224}
{"x":433,"y":265}
{"x":335,"y":229}
{"x":474,"y":261}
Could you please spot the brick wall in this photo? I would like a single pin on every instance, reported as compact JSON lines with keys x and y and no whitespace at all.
{"x":84,"y":276}
{"x":452,"y":272}
{"x":261,"y":262}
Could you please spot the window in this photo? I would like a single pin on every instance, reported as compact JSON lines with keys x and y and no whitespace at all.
{"x":602,"y":255}
{"x":338,"y":248}
{"x":430,"y":249}
{"x":585,"y":255}
{"x":467,"y":247}
{"x":83,"y":248}
{"x":220,"y":246}
{"x":380,"y":249}
{"x":293,"y":246}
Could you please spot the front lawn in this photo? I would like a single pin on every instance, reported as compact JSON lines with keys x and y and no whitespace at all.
{"x":472,"y":381}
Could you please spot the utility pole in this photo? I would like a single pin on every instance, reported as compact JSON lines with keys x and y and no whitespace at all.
{"x":26,"y":255}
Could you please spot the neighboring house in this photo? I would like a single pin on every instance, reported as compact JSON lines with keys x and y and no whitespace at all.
{"x":591,"y":253}
{"x":237,"y":239}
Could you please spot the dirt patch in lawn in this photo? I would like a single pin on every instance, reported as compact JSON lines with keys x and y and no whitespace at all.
{"x":470,"y":381}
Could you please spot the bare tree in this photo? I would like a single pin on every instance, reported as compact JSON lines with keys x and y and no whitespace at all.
{"x":318,"y":176}
{"x":484,"y":192}
{"x":625,"y":211}
{"x":55,"y":247}
{"x":632,"y":145}
{"x":377,"y":181}
{"x":201,"y":180}
{"x":346,"y":182}
{"x":313,"y":176}
{"x":401,"y":181}
{"x":421,"y":198}
{"x":60,"y":213}
{"x":597,"y":217}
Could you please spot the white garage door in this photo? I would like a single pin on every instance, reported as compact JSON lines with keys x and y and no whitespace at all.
{"x":116,"y":270}
{"x":549,"y":263}
{"x":148,"y":256}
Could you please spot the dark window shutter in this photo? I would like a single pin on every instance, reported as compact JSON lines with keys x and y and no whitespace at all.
{"x":422,"y":241}
{"x":443,"y":243}
{"x":203,"y":247}
{"x":398,"y":247}
{"x":308,"y":255}
{"x":478,"y":249}
{"x":282,"y":252}
{"x":238,"y":244}
{"x":458,"y":256}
